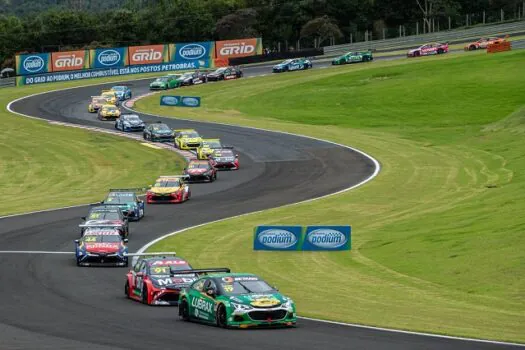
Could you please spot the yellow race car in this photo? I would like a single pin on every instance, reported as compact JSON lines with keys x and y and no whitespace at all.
{"x":187,"y":139}
{"x":208,"y":147}
{"x":96,"y":103}
{"x":110,"y":96}
{"x":169,"y":189}
{"x":108,"y":112}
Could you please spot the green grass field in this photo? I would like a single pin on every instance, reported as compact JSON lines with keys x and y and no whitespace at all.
{"x":438,"y":236}
{"x":44,"y":166}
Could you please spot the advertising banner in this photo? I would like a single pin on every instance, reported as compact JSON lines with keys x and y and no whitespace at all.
{"x":327,"y":238}
{"x":204,"y":52}
{"x":108,"y":58}
{"x":69,"y":60}
{"x":238,"y":48}
{"x":180,"y":101}
{"x":35,"y":63}
{"x":100,"y":73}
{"x":277,"y":237}
{"x":148,"y":54}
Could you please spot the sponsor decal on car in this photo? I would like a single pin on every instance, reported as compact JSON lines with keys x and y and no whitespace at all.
{"x":203,"y":305}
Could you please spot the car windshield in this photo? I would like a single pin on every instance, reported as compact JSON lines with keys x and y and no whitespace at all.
{"x":160,"y":127}
{"x":110,"y":109}
{"x":200,"y":165}
{"x":225,"y":153}
{"x":130,"y":117}
{"x":104,"y":215}
{"x":108,"y":94}
{"x":212,"y":144}
{"x":187,"y":75}
{"x":98,"y":100}
{"x":287,"y":61}
{"x":162,"y":80}
{"x":101,"y":238}
{"x":220,"y":70}
{"x":118,"y":88}
{"x":166,"y":267}
{"x":190,"y":134}
{"x":168,"y":183}
{"x":246,"y":287}
{"x":120,"y":197}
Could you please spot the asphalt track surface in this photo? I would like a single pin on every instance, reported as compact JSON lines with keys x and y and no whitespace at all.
{"x":47,"y":302}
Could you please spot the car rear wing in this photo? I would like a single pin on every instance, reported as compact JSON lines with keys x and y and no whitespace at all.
{"x":200,"y":271}
{"x":100,"y":225}
{"x":102,"y":204}
{"x":136,"y":189}
{"x":165,"y":254}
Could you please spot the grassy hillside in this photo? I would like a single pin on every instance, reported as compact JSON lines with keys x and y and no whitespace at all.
{"x":438,"y":240}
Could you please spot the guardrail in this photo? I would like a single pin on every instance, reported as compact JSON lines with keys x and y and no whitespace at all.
{"x":7,"y":82}
{"x":451,"y":36}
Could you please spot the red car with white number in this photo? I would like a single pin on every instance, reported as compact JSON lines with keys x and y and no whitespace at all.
{"x":428,"y":49}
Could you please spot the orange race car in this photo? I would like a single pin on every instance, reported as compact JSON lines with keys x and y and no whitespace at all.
{"x":483,"y":43}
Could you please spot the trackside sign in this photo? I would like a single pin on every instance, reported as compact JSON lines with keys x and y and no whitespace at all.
{"x":311,"y":238}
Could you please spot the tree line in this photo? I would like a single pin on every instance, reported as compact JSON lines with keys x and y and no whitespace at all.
{"x":51,"y":25}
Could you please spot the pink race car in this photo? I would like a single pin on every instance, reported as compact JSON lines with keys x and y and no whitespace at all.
{"x":428,"y":49}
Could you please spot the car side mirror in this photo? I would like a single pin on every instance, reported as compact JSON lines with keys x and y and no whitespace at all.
{"x":211,"y":292}
{"x":77,"y":241}
{"x":126,"y":240}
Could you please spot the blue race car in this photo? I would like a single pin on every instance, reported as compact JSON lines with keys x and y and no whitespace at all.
{"x":129,"y":122}
{"x":132,"y":207}
{"x":123,"y":92}
{"x":100,"y":246}
{"x":292,"y":64}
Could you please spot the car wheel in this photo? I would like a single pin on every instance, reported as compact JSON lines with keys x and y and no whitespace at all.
{"x":144,"y":136}
{"x":417,"y":54}
{"x":126,"y":262}
{"x":472,"y":47}
{"x":184,"y":311}
{"x":78,"y":262}
{"x":145,"y":294}
{"x":220,"y":317}
{"x":211,"y":178}
{"x":126,"y":289}
{"x":440,"y":51}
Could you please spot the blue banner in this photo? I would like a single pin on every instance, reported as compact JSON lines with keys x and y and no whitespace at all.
{"x":277,"y":237}
{"x":202,"y":52}
{"x":35,"y":63}
{"x":180,"y":101}
{"x":100,"y":73}
{"x":109,"y":58}
{"x":327,"y":238}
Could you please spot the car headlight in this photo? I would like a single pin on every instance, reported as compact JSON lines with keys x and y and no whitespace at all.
{"x":288,"y":304}
{"x":127,"y":124}
{"x":240,"y":307}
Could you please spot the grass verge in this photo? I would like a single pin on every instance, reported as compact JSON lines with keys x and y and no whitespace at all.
{"x":45,"y":166}
{"x":438,"y":241}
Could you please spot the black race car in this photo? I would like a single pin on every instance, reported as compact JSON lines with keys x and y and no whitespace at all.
{"x":224,"y":159}
{"x":129,"y":122}
{"x":192,"y":78}
{"x":108,"y":216}
{"x":158,"y":132}
{"x":225,"y":73}
{"x":200,"y":170}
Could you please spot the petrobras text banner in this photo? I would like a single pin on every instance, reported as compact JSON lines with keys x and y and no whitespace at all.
{"x":277,"y":237}
{"x":109,"y":58}
{"x":100,"y":73}
{"x":69,"y":60}
{"x":327,"y":238}
{"x":148,"y":54}
{"x":204,"y":52}
{"x":238,"y":48}
{"x":34,"y":63}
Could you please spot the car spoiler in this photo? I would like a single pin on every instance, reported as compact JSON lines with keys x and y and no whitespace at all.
{"x":100,"y":225}
{"x":200,"y":271}
{"x":102,"y":204}
{"x":165,"y":254}
{"x":136,"y":189}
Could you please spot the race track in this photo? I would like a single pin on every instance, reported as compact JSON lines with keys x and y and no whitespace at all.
{"x":47,"y":302}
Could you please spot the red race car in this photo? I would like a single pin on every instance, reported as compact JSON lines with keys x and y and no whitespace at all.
{"x":224,"y":158}
{"x":428,"y":49}
{"x":201,"y":170}
{"x":483,"y":43}
{"x":169,"y":189}
{"x":158,"y":278}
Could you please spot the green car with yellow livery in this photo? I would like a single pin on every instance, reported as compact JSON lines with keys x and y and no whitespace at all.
{"x":236,"y":300}
{"x":353,"y":57}
{"x":207,"y":148}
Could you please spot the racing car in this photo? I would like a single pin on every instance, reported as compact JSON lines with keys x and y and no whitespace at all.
{"x":292,"y":64}
{"x":192,"y":78}
{"x":225,"y":159}
{"x":108,"y":112}
{"x":200,"y":170}
{"x":158,"y":278}
{"x":207,"y":147}
{"x":129,"y":122}
{"x":106,"y":215}
{"x":158,"y":132}
{"x":123,"y":92}
{"x":353,"y":57}
{"x":165,"y":82}
{"x":110,"y":96}
{"x":483,"y":43}
{"x":236,"y":300}
{"x":101,"y":246}
{"x":428,"y":49}
{"x":225,"y":73}
{"x":187,"y":139}
{"x":132,"y":207}
{"x":96,"y":103}
{"x":169,"y":189}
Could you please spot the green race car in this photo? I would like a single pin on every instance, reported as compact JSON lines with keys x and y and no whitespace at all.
{"x":164,"y":83}
{"x":353,"y":57}
{"x":207,"y":148}
{"x":129,"y":203}
{"x":237,"y":300}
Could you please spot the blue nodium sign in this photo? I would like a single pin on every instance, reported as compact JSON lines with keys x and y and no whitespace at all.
{"x":180,"y":101}
{"x":277,"y":237}
{"x":313,"y":238}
